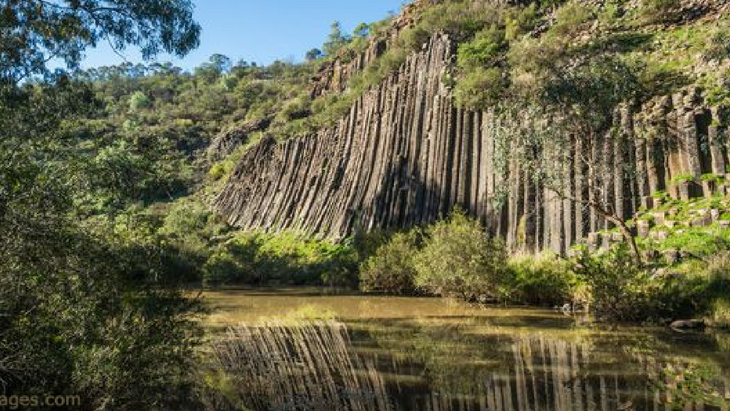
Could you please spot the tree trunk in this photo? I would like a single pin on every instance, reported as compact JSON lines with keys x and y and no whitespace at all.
{"x":629,"y":237}
{"x":625,"y":231}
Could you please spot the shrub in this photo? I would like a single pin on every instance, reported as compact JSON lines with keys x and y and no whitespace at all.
{"x":458,"y":257}
{"x":480,"y":88}
{"x":621,"y":291}
{"x":461,"y":19}
{"x":391,"y":269}
{"x":285,"y":258}
{"x":415,"y":38}
{"x":618,"y":288}
{"x":698,"y":241}
{"x":139,"y":101}
{"x":570,"y":19}
{"x":483,"y":51}
{"x":720,"y":313}
{"x":541,"y":280}
{"x":520,"y":22}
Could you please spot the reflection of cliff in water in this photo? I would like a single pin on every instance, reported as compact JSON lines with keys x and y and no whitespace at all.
{"x":445,"y":370}
{"x":326,"y":366}
{"x":305,"y":366}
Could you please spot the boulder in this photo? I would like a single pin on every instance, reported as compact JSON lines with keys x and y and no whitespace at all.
{"x":688,"y":325}
{"x":715,"y":214}
{"x":671,"y":256}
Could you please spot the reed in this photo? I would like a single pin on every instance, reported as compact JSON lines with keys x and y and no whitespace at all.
{"x":309,"y":365}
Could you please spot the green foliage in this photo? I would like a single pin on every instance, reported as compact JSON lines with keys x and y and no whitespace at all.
{"x":37,"y":31}
{"x":314,"y":54}
{"x":720,"y":314}
{"x":519,"y":22}
{"x":187,"y":233}
{"x":458,"y":257}
{"x":281,"y":259}
{"x":480,"y":88}
{"x":139,"y":101}
{"x":336,"y":40}
{"x":570,"y":19}
{"x":541,"y":280}
{"x":682,"y":178}
{"x":591,"y":91}
{"x":611,"y":12}
{"x":391,"y":268}
{"x":484,"y":50}
{"x":697,"y":241}
{"x":619,"y":289}
{"x":88,"y":304}
{"x":83,"y":306}
{"x":460,"y":18}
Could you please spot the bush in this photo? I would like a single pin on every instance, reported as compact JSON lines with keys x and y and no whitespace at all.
{"x":520,"y":22}
{"x":139,"y":101}
{"x":101,"y":323}
{"x":541,"y":280}
{"x":461,"y":19}
{"x":458,"y":257}
{"x":571,"y":18}
{"x":391,"y":269}
{"x":480,"y":88}
{"x":483,"y":51}
{"x":698,"y":241}
{"x":720,"y":313}
{"x":281,"y":259}
{"x":619,"y":289}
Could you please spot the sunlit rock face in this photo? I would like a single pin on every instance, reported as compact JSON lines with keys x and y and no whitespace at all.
{"x":406,"y":155}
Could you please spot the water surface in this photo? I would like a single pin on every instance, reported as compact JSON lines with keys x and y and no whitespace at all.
{"x":437,"y":354}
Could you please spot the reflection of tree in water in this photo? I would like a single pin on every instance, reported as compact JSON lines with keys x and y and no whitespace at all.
{"x":414,"y":366}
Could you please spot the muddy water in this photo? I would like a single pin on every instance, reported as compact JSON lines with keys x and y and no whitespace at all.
{"x":434,"y":354}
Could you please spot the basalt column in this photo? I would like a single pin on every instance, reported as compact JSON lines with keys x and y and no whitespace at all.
{"x":406,"y":155}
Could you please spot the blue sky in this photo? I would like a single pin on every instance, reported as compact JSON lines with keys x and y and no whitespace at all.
{"x":261,"y":31}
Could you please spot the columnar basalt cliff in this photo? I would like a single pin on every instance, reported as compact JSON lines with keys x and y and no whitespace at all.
{"x":406,"y":155}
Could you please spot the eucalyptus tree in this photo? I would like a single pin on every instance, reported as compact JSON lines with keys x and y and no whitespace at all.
{"x":34,"y":32}
{"x":81,"y":310}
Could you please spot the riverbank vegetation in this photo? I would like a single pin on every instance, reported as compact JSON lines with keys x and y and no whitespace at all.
{"x":458,"y":258}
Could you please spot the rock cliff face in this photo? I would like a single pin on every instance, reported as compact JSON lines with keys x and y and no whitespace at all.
{"x":406,"y":155}
{"x":229,"y":140}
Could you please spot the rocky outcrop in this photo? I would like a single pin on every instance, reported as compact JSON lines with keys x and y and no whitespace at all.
{"x":406,"y":155}
{"x":229,"y":140}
